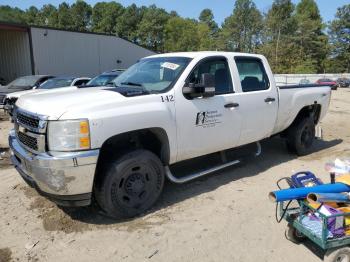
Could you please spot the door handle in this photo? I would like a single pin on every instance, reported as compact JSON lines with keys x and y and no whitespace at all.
{"x":231,"y":105}
{"x":269,"y":99}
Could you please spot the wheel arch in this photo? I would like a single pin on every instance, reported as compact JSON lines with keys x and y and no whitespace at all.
{"x":153,"y":139}
{"x":313,"y":111}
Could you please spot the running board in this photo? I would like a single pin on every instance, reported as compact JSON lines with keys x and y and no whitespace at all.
{"x":188,"y":178}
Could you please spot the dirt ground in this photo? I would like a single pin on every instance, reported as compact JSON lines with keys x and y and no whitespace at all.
{"x":223,"y":217}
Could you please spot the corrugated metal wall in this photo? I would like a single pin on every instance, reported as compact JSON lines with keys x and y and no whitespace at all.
{"x":72,"y":53}
{"x":14,"y":54}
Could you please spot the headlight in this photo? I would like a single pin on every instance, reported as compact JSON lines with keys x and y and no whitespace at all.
{"x":69,"y":135}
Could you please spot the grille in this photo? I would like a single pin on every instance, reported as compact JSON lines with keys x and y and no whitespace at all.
{"x":29,"y":141}
{"x":27,"y":120}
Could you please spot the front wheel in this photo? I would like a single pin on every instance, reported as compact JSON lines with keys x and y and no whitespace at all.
{"x":301,"y":136}
{"x":130,"y":185}
{"x":294,"y":235}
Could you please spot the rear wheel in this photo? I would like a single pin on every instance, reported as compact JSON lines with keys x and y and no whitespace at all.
{"x":131,"y":184}
{"x":338,"y":255}
{"x":301,"y":136}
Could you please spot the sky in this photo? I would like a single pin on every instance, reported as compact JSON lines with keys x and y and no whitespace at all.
{"x":191,"y":8}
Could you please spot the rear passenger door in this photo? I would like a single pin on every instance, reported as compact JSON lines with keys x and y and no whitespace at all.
{"x":258,"y":100}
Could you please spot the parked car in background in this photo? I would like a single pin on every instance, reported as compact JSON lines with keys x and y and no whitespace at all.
{"x":105,"y":78}
{"x":343,"y":82}
{"x":64,"y":81}
{"x":21,"y":84}
{"x":52,"y":83}
{"x":327,"y":81}
{"x":304,"y":81}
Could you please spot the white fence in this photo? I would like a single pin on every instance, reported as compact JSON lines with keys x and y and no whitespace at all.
{"x":287,"y":79}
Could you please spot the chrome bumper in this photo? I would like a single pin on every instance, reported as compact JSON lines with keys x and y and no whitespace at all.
{"x":60,"y":176}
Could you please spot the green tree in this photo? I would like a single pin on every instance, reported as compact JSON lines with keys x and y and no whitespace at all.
{"x":151,"y":28}
{"x":10,"y":14}
{"x":48,"y":16}
{"x":206,"y":39}
{"x":127,"y":23}
{"x":278,"y":36}
{"x":181,"y":35}
{"x":65,"y":19}
{"x":32,"y":15}
{"x":241,"y":31}
{"x":105,"y":15}
{"x":207,"y":17}
{"x":81,"y":15}
{"x":312,"y":41}
{"x":339,"y":31}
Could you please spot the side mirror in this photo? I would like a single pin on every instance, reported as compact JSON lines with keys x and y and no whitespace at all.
{"x":206,"y":87}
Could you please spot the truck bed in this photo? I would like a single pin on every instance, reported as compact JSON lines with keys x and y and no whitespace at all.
{"x":294,"y":97}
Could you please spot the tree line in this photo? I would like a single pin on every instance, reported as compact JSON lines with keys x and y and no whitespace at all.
{"x":293,"y":37}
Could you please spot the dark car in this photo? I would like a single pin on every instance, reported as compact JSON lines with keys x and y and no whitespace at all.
{"x":343,"y":82}
{"x":21,"y":84}
{"x":326,"y":81}
{"x":105,"y":78}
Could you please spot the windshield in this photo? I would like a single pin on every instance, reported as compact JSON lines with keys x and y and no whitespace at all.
{"x":24,"y":81}
{"x":153,"y":74}
{"x":101,"y":80}
{"x":56,"y":82}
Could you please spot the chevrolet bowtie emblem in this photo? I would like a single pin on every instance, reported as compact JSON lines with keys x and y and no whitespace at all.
{"x":22,"y":129}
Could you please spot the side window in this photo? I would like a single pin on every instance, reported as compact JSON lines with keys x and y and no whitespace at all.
{"x":219,"y":69}
{"x":252,"y":74}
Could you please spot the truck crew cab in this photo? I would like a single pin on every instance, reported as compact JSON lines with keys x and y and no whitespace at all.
{"x":117,"y":145}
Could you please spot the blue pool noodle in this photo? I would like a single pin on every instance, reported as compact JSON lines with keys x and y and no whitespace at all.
{"x":302,"y":192}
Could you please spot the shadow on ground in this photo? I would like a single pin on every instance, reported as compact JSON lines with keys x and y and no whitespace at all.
{"x":274,"y":153}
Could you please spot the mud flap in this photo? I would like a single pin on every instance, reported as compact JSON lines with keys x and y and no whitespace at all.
{"x":318,"y":132}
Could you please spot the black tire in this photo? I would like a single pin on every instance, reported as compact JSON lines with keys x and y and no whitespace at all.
{"x":337,"y":255}
{"x":294,"y":235}
{"x":300,"y":136}
{"x":130,"y":184}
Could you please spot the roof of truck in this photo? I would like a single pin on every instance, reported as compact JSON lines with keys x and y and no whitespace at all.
{"x":202,"y":54}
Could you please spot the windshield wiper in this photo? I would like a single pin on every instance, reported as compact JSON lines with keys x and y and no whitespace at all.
{"x":131,"y":84}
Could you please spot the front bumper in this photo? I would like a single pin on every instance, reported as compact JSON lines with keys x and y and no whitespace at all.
{"x":67,"y":179}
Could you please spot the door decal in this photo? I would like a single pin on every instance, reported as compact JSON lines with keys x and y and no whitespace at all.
{"x":208,"y":118}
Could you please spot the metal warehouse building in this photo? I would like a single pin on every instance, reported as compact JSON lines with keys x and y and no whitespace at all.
{"x":26,"y":50}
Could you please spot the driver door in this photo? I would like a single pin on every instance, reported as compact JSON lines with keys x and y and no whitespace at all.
{"x":208,"y":125}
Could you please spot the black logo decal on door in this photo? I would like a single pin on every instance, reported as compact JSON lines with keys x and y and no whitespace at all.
{"x":208,"y":118}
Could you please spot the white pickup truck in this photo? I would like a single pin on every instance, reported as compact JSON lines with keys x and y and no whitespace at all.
{"x":117,"y":145}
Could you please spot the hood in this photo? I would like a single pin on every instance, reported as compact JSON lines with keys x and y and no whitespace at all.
{"x":54,"y":104}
